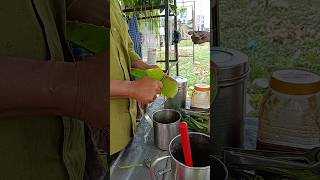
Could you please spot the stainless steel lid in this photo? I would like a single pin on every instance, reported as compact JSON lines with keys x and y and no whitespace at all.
{"x":230,"y":64}
{"x":181,"y":81}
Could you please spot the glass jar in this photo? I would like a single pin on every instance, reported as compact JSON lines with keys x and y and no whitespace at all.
{"x":290,"y":114}
{"x":201,"y":96}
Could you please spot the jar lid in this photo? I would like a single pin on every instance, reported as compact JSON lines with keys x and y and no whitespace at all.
{"x":295,"y":82}
{"x":229,"y":63}
{"x":202,"y":87}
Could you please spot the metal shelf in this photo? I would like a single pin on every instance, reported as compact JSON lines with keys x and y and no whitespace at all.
{"x":158,"y":16}
{"x":166,"y":61}
{"x":168,"y":12}
{"x":150,"y":8}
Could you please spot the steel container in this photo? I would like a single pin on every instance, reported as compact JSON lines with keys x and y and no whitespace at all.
{"x":166,"y":127}
{"x":228,"y":107}
{"x":179,"y":171}
{"x":179,"y":101}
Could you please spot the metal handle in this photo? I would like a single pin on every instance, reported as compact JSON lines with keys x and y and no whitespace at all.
{"x":153,"y":165}
{"x":256,"y":160}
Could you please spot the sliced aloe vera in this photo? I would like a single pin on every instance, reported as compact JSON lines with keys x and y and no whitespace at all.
{"x":139,"y":73}
{"x":170,"y":87}
{"x":155,"y":73}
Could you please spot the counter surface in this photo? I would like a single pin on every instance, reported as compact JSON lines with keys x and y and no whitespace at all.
{"x":133,"y":163}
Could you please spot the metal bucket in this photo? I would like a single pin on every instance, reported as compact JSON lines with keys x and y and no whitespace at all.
{"x":228,"y":107}
{"x":179,"y":101}
{"x":166,"y":127}
{"x":202,"y":161}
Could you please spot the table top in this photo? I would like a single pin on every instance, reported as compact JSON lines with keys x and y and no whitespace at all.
{"x":134,"y":162}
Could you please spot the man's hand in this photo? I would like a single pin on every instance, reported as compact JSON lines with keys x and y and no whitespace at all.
{"x":145,"y":90}
{"x":199,"y":37}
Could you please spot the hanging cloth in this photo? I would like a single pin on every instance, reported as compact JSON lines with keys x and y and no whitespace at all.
{"x":135,"y":35}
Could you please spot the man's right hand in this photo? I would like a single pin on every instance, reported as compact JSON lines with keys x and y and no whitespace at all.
{"x":145,"y":89}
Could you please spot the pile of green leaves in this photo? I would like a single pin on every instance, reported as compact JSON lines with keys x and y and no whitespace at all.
{"x":198,"y":123}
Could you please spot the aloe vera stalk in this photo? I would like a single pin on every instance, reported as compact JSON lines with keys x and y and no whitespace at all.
{"x":170,"y":87}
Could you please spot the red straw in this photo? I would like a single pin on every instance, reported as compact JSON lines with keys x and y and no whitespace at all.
{"x":185,"y":140}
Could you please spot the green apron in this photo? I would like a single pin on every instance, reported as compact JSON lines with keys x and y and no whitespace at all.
{"x":38,"y":148}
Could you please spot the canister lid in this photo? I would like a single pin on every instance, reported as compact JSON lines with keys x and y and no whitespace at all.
{"x":230,"y":64}
{"x":181,"y":80}
{"x":295,"y":82}
{"x":202,"y":87}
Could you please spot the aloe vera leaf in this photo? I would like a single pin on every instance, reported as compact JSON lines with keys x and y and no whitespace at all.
{"x":200,"y":125}
{"x":155,"y":73}
{"x":139,"y":73}
{"x":170,"y":87}
{"x":91,"y":37}
{"x":204,"y":118}
{"x":130,"y":166}
{"x":191,"y":125}
{"x":196,"y":127}
{"x":186,"y":118}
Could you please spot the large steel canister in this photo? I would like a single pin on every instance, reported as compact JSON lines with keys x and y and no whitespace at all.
{"x":228,"y":108}
{"x":179,"y":101}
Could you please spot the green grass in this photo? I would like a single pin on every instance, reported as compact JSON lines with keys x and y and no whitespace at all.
{"x":285,"y":37}
{"x":277,"y":34}
{"x":197,"y":72}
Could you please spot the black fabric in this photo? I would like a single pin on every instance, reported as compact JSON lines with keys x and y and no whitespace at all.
{"x":94,"y":166}
{"x":113,"y":157}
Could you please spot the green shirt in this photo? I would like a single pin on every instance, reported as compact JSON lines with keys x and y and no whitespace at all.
{"x":38,"y":148}
{"x":122,"y":111}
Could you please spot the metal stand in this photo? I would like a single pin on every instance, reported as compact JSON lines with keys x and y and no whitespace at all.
{"x":168,"y":12}
{"x":215,"y":30}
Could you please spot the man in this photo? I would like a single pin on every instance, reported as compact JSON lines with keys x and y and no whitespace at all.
{"x":123,"y":91}
{"x":36,"y":90}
